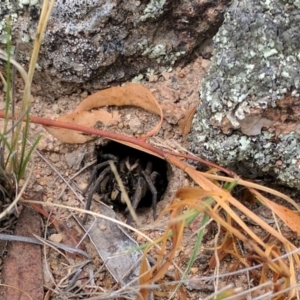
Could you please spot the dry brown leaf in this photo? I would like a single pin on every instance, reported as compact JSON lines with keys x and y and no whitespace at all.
{"x":84,"y":118}
{"x":132,"y":94}
{"x":22,"y":270}
{"x":185,"y":124}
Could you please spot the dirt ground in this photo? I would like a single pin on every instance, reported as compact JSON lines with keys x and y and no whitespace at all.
{"x":56,"y":163}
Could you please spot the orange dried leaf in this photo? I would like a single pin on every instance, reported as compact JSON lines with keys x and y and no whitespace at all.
{"x":132,"y":94}
{"x":84,"y":118}
{"x":225,"y":248}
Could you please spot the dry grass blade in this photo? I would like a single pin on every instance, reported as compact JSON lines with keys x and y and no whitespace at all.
{"x":18,"y":197}
{"x":194,"y":198}
{"x":289,"y":217}
{"x":43,"y":21}
{"x":165,"y":256}
{"x":124,"y":194}
{"x":252,"y":185}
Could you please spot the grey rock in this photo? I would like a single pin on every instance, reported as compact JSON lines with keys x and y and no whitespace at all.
{"x":74,"y":159}
{"x":249,"y":116}
{"x":95,"y":43}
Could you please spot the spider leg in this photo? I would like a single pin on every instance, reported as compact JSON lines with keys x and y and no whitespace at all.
{"x":149,"y":180}
{"x":109,"y":156}
{"x":94,"y":174}
{"x":94,"y":188}
{"x":103,"y":184}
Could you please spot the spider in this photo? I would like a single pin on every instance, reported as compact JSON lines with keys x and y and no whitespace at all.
{"x":143,"y":176}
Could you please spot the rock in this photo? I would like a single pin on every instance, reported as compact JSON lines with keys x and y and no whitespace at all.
{"x":95,"y":43}
{"x":249,"y":117}
{"x":74,"y":159}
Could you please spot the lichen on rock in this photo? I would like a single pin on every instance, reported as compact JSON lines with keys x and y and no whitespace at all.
{"x":18,"y":15}
{"x":249,"y":117}
{"x":95,"y":43}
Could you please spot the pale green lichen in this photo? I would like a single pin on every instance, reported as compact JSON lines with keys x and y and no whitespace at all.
{"x":155,"y":51}
{"x":10,"y":10}
{"x":269,"y":52}
{"x":93,"y":44}
{"x":6,"y":7}
{"x":153,"y":10}
{"x":78,"y":57}
{"x":160,"y":53}
{"x":244,"y":142}
{"x":138,"y":78}
{"x":297,"y":3}
{"x":28,"y":2}
{"x":150,"y":73}
{"x":142,"y":78}
{"x":26,"y":38}
{"x":256,"y":62}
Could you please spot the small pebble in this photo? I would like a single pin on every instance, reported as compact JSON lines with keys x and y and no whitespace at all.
{"x":54,"y":157}
{"x":57,"y":237}
{"x":153,"y":78}
{"x":102,"y":227}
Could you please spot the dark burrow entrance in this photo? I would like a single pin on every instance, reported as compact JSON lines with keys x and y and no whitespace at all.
{"x":144,"y":177}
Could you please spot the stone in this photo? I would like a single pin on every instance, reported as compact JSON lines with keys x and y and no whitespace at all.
{"x":95,"y":43}
{"x":249,"y":116}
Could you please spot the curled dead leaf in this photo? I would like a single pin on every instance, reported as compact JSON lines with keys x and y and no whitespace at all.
{"x":132,"y":94}
{"x":84,"y":118}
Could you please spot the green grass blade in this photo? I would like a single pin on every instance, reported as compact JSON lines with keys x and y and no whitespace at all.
{"x":8,"y":73}
{"x":27,"y":157}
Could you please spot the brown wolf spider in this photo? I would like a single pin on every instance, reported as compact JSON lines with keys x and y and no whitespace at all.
{"x":143,"y":175}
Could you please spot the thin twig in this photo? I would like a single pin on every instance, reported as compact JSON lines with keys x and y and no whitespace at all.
{"x":41,"y":242}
